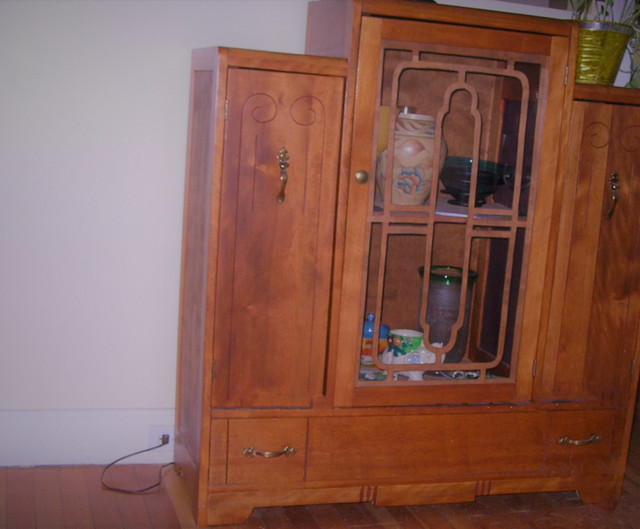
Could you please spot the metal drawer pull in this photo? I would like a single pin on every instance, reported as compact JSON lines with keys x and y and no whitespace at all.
{"x":252,"y":452}
{"x":283,"y":162}
{"x":593,"y":439}
{"x":613,"y":180}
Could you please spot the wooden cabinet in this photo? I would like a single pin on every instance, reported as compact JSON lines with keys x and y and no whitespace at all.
{"x":516,"y":277}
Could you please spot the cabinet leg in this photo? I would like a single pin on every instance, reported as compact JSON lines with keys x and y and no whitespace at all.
{"x":604,"y":491}
{"x":229,"y":509}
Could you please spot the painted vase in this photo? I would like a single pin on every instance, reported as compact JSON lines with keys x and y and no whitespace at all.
{"x":413,"y":151}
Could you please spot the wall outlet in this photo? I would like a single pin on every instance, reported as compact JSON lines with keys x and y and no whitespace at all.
{"x":155,"y":437}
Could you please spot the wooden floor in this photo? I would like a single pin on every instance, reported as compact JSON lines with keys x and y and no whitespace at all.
{"x":72,"y":498}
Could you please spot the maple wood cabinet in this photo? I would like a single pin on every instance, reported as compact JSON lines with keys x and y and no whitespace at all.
{"x":296,"y":230}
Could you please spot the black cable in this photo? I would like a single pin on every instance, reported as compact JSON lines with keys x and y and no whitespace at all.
{"x":135,"y":491}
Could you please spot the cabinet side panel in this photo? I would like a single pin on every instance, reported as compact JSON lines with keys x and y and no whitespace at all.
{"x":195,"y":241}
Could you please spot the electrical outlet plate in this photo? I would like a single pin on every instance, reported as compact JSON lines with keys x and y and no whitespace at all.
{"x":155,"y":436}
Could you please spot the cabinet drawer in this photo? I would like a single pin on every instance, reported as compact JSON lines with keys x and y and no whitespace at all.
{"x":579,"y":435}
{"x":424,"y":447}
{"x":266,"y":450}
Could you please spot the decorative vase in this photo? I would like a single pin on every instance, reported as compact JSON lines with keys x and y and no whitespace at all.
{"x":443,"y":304}
{"x":413,"y":150}
{"x":601,"y":47}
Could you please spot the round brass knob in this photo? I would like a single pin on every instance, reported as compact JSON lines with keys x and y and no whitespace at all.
{"x":362,"y":177}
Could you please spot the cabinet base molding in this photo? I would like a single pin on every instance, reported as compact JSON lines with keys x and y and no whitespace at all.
{"x":227,"y":508}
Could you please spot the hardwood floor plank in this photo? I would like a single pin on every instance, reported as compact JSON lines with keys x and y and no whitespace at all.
{"x":327,"y":516}
{"x":253,"y":522}
{"x":161,"y":513}
{"x":49,"y":513}
{"x":3,"y":498}
{"x":274,"y":518}
{"x":103,"y":504}
{"x":21,"y":505}
{"x":75,"y":500}
{"x":301,"y":518}
{"x":356,"y":515}
{"x":501,"y":521}
{"x":401,"y":517}
{"x":430,"y":517}
{"x":131,"y":506}
{"x":457,"y":514}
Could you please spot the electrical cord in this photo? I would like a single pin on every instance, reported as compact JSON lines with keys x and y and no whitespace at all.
{"x":135,"y":491}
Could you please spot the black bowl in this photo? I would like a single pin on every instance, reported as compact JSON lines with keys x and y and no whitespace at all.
{"x":456,"y":178}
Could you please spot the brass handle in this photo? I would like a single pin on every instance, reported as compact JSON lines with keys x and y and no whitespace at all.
{"x":283,"y":162}
{"x":593,"y":439}
{"x":252,"y":452}
{"x":613,"y":180}
{"x":362,"y":177}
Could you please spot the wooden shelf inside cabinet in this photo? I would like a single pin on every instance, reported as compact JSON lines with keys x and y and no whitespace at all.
{"x":493,"y":214}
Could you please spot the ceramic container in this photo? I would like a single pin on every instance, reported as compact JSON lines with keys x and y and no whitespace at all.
{"x":413,"y":152}
{"x":406,"y":347}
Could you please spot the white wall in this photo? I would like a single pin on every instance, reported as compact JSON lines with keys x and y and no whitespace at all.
{"x":93,"y":120}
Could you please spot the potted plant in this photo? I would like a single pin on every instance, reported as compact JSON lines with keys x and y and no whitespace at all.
{"x":634,"y":50}
{"x":605,"y":31}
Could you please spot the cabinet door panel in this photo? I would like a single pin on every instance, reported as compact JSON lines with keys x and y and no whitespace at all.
{"x":461,"y":260}
{"x":615,"y":310}
{"x":595,"y":303}
{"x":275,"y":245}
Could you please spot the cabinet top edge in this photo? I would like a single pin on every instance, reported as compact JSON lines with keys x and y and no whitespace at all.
{"x":210,"y":58}
{"x":416,"y":10}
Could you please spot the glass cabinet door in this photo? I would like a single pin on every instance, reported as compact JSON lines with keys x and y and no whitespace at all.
{"x":455,"y":119}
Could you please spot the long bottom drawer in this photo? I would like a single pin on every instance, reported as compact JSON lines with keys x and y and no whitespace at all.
{"x":424,"y":447}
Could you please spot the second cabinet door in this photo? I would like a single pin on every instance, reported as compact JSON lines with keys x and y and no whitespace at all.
{"x":276,"y":228}
{"x":596,"y":301}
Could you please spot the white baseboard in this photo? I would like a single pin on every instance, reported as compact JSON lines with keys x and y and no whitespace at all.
{"x":74,"y":437}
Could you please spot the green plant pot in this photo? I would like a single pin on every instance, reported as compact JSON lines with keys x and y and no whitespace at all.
{"x":600,"y":50}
